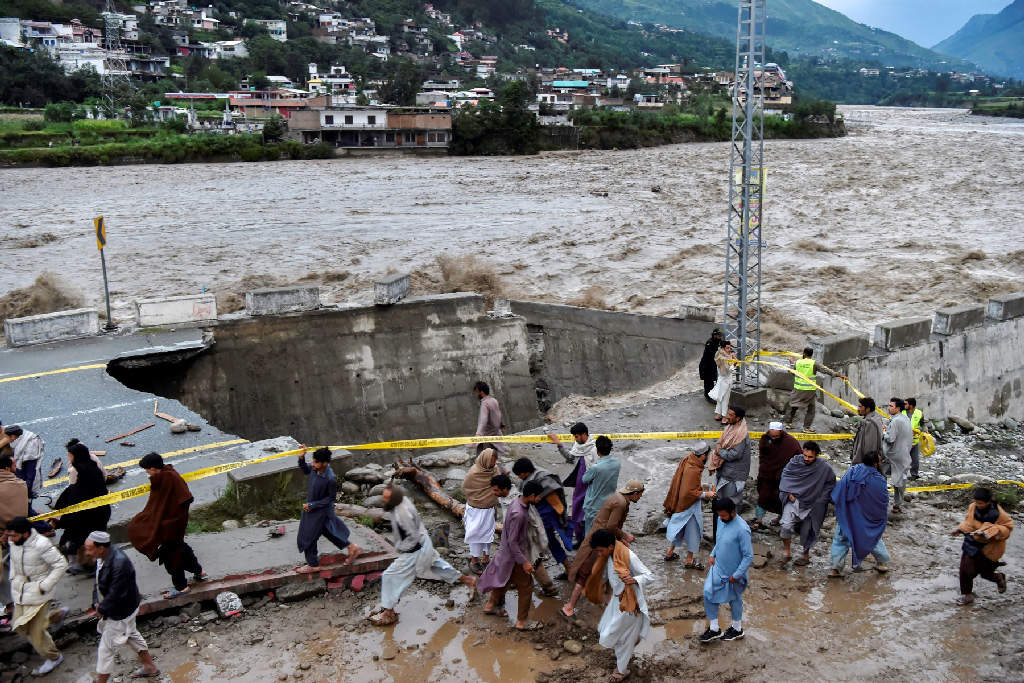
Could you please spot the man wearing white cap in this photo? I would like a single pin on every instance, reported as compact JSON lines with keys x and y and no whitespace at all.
{"x":116,"y":600}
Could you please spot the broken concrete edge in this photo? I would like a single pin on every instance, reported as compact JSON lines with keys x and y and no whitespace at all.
{"x":277,"y":300}
{"x":332,"y":567}
{"x":391,"y":289}
{"x":840,"y":349}
{"x":958,"y":318}
{"x":49,"y":327}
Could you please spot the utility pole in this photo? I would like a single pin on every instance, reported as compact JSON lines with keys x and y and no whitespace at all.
{"x":746,"y":193}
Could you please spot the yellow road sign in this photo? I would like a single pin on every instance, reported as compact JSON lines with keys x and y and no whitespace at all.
{"x":101,"y":233}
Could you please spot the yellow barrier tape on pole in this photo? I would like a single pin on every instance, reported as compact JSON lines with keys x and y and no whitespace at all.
{"x":165,"y":456}
{"x":52,"y":372}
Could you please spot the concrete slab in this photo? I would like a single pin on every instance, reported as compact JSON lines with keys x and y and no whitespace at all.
{"x":174,"y":310}
{"x":903,"y":332}
{"x":841,"y":348}
{"x":49,"y":327}
{"x":1006,"y":306}
{"x":268,"y":562}
{"x":391,"y":290}
{"x":276,"y":300}
{"x":958,"y":318}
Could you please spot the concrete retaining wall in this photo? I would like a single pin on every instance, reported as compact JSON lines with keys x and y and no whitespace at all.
{"x":174,"y":310}
{"x":970,"y":366}
{"x":593,"y":352}
{"x":356,"y":375}
{"x":38,"y":329}
{"x":276,"y":300}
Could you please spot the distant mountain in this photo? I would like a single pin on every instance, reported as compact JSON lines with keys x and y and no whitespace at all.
{"x":800,"y":27}
{"x":995,"y":42}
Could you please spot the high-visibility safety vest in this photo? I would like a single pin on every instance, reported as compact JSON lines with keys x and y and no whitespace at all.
{"x":805,"y":366}
{"x":915,"y":423}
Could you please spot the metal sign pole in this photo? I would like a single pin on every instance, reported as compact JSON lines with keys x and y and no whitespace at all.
{"x":101,"y":241}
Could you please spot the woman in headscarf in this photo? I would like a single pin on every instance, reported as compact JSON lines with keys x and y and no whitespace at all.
{"x":478,"y":519}
{"x":90,"y":482}
{"x":723,"y":388}
{"x":682,"y":504}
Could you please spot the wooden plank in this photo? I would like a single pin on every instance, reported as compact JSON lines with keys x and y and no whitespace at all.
{"x":169,"y":418}
{"x":134,"y":431}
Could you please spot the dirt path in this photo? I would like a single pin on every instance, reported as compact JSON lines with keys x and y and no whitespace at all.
{"x":803,"y":627}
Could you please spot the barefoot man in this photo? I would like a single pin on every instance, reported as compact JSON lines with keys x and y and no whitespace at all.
{"x":318,"y":516}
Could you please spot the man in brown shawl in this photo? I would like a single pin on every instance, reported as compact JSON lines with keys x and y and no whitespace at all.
{"x":685,"y":522}
{"x":776,"y":449}
{"x":158,"y":532}
{"x":868,"y":438}
{"x":611,"y":517}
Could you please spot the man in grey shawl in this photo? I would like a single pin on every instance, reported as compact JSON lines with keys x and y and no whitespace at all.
{"x":868,"y":438}
{"x":805,"y":491}
{"x":416,"y":557}
{"x":729,"y":464}
{"x":896,"y":444}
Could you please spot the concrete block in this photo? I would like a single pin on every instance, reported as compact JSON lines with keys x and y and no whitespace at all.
{"x":263,"y":480}
{"x":958,"y":318}
{"x":173,"y":310}
{"x":777,"y":379}
{"x":391,"y":290}
{"x":697,"y":312}
{"x":749,"y":399}
{"x":903,"y":332}
{"x":275,"y":300}
{"x":38,"y":329}
{"x":841,"y":348}
{"x":1006,"y":306}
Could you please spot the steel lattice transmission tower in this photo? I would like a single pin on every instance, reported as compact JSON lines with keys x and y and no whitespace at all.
{"x":116,"y":81}
{"x":746,"y":188}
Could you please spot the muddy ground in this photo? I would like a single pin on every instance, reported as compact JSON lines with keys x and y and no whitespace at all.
{"x":912,"y":211}
{"x":800,"y":625}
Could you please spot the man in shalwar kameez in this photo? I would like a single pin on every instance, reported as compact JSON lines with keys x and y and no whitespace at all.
{"x":728,"y":576}
{"x":318,"y":515}
{"x":602,"y":480}
{"x":416,"y":557}
{"x":625,"y":621}
{"x":861,"y":501}
{"x":805,"y":490}
{"x":685,"y":524}
{"x":581,"y":455}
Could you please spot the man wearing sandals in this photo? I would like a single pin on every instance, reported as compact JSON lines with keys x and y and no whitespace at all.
{"x":511,"y":566}
{"x":625,"y":621}
{"x":158,"y":532}
{"x":985,"y":528}
{"x":805,"y":491}
{"x":116,"y":599}
{"x":416,"y":557}
{"x":683,"y":506}
{"x":861,"y":501}
{"x":318,"y":515}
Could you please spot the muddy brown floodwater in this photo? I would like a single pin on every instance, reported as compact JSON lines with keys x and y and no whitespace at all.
{"x":914,"y":208}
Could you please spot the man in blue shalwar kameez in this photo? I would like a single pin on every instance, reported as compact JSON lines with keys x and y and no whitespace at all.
{"x":318,"y":516}
{"x":727,"y":576}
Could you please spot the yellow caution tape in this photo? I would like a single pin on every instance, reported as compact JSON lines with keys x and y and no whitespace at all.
{"x":53,"y":372}
{"x":165,"y":456}
{"x":952,"y":487}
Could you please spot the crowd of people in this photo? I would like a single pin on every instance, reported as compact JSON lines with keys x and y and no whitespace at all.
{"x":584,"y":533}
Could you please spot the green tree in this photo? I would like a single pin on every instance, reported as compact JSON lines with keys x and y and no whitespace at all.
{"x":274,"y":128}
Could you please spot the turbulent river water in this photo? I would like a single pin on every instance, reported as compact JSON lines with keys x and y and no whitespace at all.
{"x":914,"y":210}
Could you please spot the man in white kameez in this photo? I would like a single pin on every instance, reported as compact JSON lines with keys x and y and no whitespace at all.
{"x":625,"y":621}
{"x":416,"y":557}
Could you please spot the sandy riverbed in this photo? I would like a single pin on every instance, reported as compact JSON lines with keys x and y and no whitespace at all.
{"x":915,"y":209}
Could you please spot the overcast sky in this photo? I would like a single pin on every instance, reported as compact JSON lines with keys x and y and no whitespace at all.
{"x":925,"y":22}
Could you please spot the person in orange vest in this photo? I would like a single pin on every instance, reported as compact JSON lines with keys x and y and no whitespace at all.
{"x":805,"y":393}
